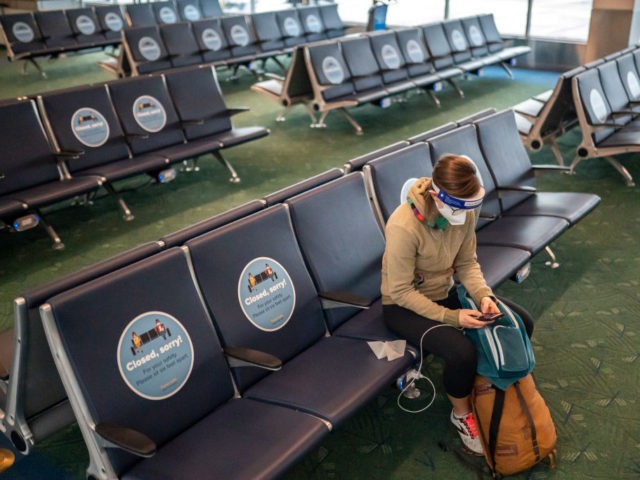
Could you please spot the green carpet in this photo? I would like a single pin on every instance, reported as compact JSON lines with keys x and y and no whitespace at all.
{"x":586,"y":339}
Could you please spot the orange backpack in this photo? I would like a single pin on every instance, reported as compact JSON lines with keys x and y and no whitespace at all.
{"x":515,"y":426}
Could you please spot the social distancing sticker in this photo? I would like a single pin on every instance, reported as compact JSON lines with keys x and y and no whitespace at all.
{"x":167,"y":15}
{"x":211,"y":39}
{"x":113,"y":22}
{"x":404,"y":191}
{"x":314,"y":24}
{"x":85,"y":25}
{"x":332,"y":70}
{"x":149,"y":113}
{"x":415,"y":52}
{"x":155,"y":355}
{"x":90,"y":127}
{"x":291,"y":27}
{"x":390,"y":56}
{"x":149,"y":49}
{"x":458,"y":40}
{"x":266,"y":294}
{"x":23,"y":32}
{"x":475,"y":36}
{"x":239,"y":35}
{"x":191,"y":13}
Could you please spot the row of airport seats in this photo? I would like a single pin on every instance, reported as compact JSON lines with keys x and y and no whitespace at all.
{"x":607,"y":102}
{"x":233,"y":41}
{"x":264,"y":300}
{"x":71,"y":143}
{"x":163,"y":12}
{"x":546,"y":116}
{"x":373,"y":67}
{"x":28,"y":36}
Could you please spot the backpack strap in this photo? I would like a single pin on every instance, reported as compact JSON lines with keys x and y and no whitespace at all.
{"x":527,"y":414}
{"x":494,"y":425}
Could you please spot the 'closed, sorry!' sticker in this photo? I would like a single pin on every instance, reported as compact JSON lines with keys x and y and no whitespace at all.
{"x":90,"y":127}
{"x":266,"y":294}
{"x":155,"y":355}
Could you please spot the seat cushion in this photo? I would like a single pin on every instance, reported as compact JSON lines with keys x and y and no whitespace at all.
{"x":331,"y":379}
{"x":499,"y":263}
{"x":126,"y":168}
{"x":237,"y":136}
{"x":276,"y":437}
{"x":571,"y":206}
{"x":527,"y":233}
{"x":11,"y":206}
{"x":53,"y":192}
{"x":368,"y":325}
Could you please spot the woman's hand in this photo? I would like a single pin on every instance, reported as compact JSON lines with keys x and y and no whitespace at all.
{"x":469,"y":318}
{"x":487,"y":305}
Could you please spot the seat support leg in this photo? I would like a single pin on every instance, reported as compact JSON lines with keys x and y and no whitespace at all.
{"x":456,"y":87}
{"x":552,"y":262}
{"x":556,"y":151}
{"x":351,"y":120}
{"x":57,"y":243}
{"x":434,"y":97}
{"x":279,"y":63}
{"x":126,"y":213}
{"x":506,"y":68}
{"x":628,"y":179}
{"x":320,"y":123}
{"x":35,"y":64}
{"x":576,"y":160}
{"x":234,"y":176}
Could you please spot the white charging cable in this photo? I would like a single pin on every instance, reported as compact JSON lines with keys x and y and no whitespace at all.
{"x":413,"y":375}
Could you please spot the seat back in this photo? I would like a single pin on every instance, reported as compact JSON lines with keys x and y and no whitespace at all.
{"x":211,"y":40}
{"x":434,"y":132}
{"x":22,"y":33}
{"x":254,"y":281}
{"x":146,"y":49}
{"x":389,"y":56}
{"x":361,"y":63}
{"x":180,"y":237}
{"x":436,"y":40}
{"x":589,"y":92}
{"x":475,"y":37}
{"x":328,"y":219}
{"x":211,"y":8}
{"x":297,"y":84}
{"x":27,"y":158}
{"x":475,"y":116}
{"x":390,"y":176}
{"x":311,"y":20}
{"x":331,"y":19}
{"x":111,"y":21}
{"x":360,"y":161}
{"x":490,"y":32}
{"x":414,"y":51}
{"x":328,"y":67}
{"x":629,"y":75}
{"x":55,"y":29}
{"x":165,"y":12}
{"x":241,"y":39}
{"x":506,"y":156}
{"x":267,"y":31}
{"x":457,"y":40}
{"x":151,"y":346}
{"x":290,"y":26}
{"x":302,"y":186}
{"x":83,"y":120}
{"x":36,"y":400}
{"x":614,"y":89}
{"x":207,"y":108}
{"x":85,"y":26}
{"x":560,"y":112}
{"x":189,"y":10}
{"x":146,"y":113}
{"x":464,"y":141}
{"x":140,"y":15}
{"x":181,"y":44}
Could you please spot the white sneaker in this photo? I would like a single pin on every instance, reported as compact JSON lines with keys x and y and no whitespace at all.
{"x":468,"y":431}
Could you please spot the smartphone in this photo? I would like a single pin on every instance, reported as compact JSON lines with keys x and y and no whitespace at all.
{"x":490,"y":317}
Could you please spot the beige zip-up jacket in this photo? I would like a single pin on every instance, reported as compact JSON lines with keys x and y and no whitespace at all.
{"x":419,"y":261}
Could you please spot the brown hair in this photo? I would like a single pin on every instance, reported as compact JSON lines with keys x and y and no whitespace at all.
{"x":456,"y":175}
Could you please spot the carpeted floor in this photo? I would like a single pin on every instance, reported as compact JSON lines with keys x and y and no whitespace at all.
{"x":586,"y":341}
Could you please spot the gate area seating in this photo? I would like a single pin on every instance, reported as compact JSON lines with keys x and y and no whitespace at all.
{"x":106,"y":133}
{"x":376,"y":66}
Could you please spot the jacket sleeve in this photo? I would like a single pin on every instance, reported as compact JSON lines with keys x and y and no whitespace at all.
{"x":467,"y":267}
{"x":401,"y":250}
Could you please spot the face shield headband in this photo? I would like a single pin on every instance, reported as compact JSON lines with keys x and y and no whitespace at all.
{"x":458,"y":203}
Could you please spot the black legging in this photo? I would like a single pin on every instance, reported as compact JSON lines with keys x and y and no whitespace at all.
{"x":450,"y":344}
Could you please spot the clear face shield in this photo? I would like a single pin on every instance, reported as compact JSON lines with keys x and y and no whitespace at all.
{"x":455,"y":209}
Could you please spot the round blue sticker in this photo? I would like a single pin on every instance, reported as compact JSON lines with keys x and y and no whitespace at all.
{"x":113,"y":21}
{"x":155,"y":355}
{"x":291,"y":27}
{"x":149,"y":48}
{"x":458,"y":40}
{"x":475,"y":36}
{"x":167,"y":15}
{"x":266,"y":294}
{"x":90,"y":127}
{"x":85,"y":25}
{"x":414,"y":51}
{"x":332,"y":70}
{"x":314,"y":24}
{"x":149,"y":113}
{"x":239,"y":35}
{"x":390,"y":56}
{"x":211,"y":39}
{"x":22,"y":32}
{"x":191,"y":13}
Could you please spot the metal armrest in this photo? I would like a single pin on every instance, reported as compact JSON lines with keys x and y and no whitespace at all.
{"x":486,"y":216}
{"x":331,"y":300}
{"x":551,"y":167}
{"x":248,"y":357}
{"x":517,"y":188}
{"x":274,"y":76}
{"x":141,"y":136}
{"x":126,"y":439}
{"x":70,"y":153}
{"x":229,"y":112}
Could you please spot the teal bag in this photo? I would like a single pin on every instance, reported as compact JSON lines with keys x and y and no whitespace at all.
{"x":504,"y":349}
